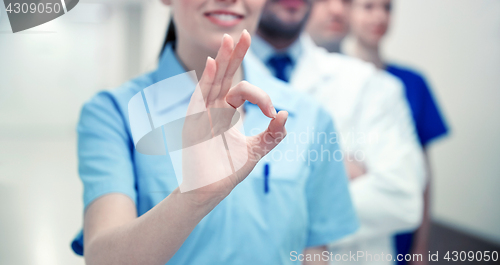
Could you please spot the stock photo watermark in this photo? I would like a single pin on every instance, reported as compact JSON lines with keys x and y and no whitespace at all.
{"x":26,"y":14}
{"x":324,"y":142}
{"x":366,"y":256}
{"x":206,"y":144}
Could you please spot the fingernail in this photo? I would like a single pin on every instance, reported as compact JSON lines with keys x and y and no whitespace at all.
{"x":224,"y":36}
{"x":273,"y":112}
{"x":243,"y":33}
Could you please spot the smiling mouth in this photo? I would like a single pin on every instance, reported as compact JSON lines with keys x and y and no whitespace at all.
{"x":224,"y":18}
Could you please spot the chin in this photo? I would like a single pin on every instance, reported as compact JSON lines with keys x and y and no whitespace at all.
{"x":374,"y":41}
{"x":235,"y":34}
{"x":214,"y":46}
{"x":337,"y":35}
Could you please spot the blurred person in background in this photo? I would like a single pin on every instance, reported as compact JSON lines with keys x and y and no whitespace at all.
{"x":329,"y":23}
{"x":387,"y":191}
{"x":370,"y":20}
{"x":134,"y":210}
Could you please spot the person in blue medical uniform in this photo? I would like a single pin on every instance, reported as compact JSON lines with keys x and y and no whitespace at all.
{"x":369,"y":21}
{"x":279,"y":208}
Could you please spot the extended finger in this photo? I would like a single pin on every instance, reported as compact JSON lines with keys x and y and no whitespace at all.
{"x":244,"y":91}
{"x":222,"y":61}
{"x":207,"y":78}
{"x":237,"y":56}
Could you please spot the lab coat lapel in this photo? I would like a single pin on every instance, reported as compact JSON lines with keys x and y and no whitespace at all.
{"x":310,"y":70}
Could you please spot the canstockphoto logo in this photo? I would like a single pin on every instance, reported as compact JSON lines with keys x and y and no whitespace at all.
{"x":25,"y":14}
{"x":204,"y":143}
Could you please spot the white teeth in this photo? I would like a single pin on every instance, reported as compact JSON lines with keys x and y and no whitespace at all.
{"x":224,"y":17}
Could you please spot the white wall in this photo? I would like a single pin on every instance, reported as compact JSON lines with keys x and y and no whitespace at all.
{"x":46,"y":73}
{"x":456,"y":43}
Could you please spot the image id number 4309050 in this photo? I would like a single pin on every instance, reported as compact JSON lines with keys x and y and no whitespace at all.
{"x":471,"y":256}
{"x":34,"y":8}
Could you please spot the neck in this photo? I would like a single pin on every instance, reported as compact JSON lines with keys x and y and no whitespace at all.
{"x":277,"y":43}
{"x":194,"y":57}
{"x":369,"y":53}
{"x":333,"y":46}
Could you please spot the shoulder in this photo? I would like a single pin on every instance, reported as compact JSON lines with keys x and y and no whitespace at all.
{"x":341,"y":64}
{"x":281,"y":93}
{"x":299,"y":104}
{"x":383,"y":90}
{"x":356,"y":76}
{"x":304,"y":108}
{"x":368,"y":81}
{"x":405,"y":73}
{"x":350,"y":63}
{"x":119,"y":97}
{"x":414,"y":82}
{"x":109,"y":108}
{"x":333,"y":61}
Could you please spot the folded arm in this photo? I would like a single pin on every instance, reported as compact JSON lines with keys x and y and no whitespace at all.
{"x":388,"y":197}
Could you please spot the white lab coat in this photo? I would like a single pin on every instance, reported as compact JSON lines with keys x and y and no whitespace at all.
{"x":367,"y":102}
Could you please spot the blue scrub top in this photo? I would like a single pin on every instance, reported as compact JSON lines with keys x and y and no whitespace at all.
{"x":428,"y":119}
{"x":429,"y":124}
{"x":307,"y":202}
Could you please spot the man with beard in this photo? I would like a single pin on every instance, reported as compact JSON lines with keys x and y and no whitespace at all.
{"x":372,"y":118}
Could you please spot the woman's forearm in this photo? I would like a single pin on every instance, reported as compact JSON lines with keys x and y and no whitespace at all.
{"x":152,"y":238}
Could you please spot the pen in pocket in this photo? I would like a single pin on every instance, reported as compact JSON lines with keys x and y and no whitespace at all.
{"x":266,"y":178}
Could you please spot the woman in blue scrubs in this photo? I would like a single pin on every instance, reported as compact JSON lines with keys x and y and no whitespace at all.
{"x":293,"y":201}
{"x":370,"y":20}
